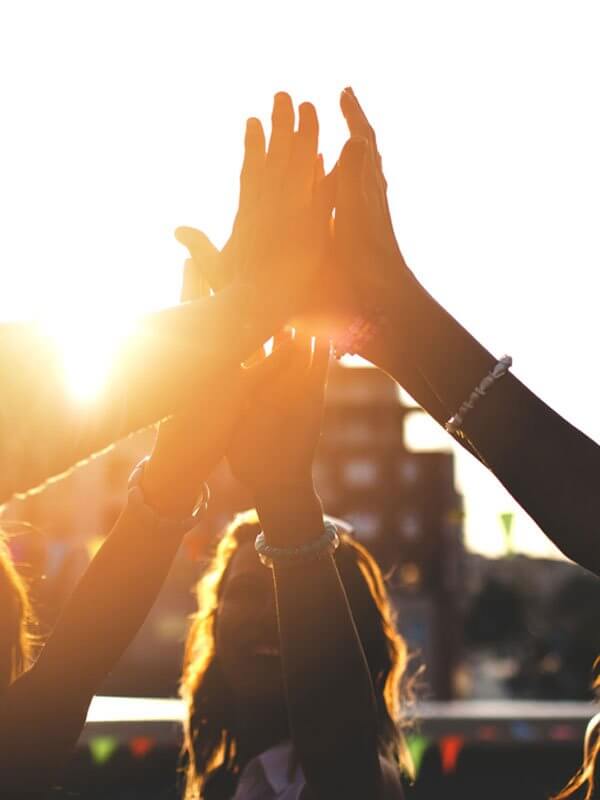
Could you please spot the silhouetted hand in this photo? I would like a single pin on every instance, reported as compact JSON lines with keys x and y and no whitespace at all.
{"x":274,"y":444}
{"x":282,"y":227}
{"x":365,"y":249}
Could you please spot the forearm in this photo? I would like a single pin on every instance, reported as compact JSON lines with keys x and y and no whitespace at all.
{"x":549,"y":466}
{"x":109,"y":604}
{"x":329,"y":692}
{"x":44,"y":432}
{"x":177,"y":350}
{"x":43,"y":712}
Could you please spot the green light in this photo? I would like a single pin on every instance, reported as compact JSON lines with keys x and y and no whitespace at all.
{"x":102,"y":748}
{"x":507,"y":520}
{"x":417,"y":746}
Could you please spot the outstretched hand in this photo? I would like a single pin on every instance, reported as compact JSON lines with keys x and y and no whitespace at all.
{"x":365,"y":248}
{"x":282,"y":227}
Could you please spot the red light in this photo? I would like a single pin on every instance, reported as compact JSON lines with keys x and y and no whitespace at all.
{"x":451,"y":747}
{"x":140,"y":746}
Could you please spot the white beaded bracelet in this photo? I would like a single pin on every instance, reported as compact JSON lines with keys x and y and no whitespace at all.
{"x":454,"y":424}
{"x":328,"y":542}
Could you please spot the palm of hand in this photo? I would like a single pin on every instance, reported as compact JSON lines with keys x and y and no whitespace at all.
{"x":280,"y":232}
{"x":365,"y":245}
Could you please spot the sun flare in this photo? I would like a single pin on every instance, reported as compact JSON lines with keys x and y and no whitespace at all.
{"x":88,"y":348}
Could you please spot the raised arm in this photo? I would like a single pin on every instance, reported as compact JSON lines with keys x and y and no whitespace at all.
{"x":42,"y":713}
{"x":268,"y":264}
{"x":549,"y":466}
{"x":330,"y":698}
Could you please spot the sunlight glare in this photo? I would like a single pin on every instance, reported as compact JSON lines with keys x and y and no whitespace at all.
{"x":88,"y":348}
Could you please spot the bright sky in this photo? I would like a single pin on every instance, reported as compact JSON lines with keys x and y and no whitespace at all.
{"x":122,"y":120}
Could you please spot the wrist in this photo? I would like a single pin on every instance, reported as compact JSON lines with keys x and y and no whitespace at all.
{"x":167,"y":493}
{"x":394,"y":330}
{"x":290,"y":514}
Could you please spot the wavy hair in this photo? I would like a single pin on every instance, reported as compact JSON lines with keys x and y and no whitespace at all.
{"x":16,"y":620}
{"x":586,"y":777}
{"x":209,"y":746}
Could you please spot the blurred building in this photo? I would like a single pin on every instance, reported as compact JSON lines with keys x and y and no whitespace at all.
{"x":403,"y":507}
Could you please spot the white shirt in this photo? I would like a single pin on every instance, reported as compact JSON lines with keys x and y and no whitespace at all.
{"x":271,"y":776}
{"x":274,"y":775}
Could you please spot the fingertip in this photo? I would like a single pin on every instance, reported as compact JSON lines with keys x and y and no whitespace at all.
{"x":308,"y":108}
{"x":253,"y":125}
{"x":347,"y":96}
{"x":282,"y":102}
{"x":254,"y":135}
{"x":308,"y":122}
{"x":182,"y":234}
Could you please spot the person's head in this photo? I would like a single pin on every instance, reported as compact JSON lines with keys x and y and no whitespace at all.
{"x":232,"y":679}
{"x":15,"y":621}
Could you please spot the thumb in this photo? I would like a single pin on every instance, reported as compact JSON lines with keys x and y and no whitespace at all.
{"x":350,"y":180}
{"x":350,"y":165}
{"x":194,"y":283}
{"x":202,"y":250}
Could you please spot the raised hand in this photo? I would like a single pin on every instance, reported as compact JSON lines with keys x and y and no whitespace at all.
{"x":282,"y":227}
{"x":366,"y":249}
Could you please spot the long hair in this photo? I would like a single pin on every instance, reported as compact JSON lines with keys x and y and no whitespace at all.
{"x":586,"y":777}
{"x":16,"y":619}
{"x":209,"y":742}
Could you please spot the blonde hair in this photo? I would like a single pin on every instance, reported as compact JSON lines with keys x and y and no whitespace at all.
{"x":16,"y":620}
{"x":586,"y":777}
{"x":209,"y":742}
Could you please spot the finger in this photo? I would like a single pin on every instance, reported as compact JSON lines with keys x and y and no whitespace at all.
{"x":359,"y":126}
{"x":203,"y":252}
{"x":194,"y":284}
{"x":280,"y":143}
{"x":198,"y":243}
{"x":252,"y":166}
{"x":349,"y":196}
{"x":319,"y":170}
{"x":355,"y":117}
{"x":304,"y":152}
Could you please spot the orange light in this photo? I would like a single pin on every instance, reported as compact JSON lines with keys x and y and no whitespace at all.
{"x":450,"y":747}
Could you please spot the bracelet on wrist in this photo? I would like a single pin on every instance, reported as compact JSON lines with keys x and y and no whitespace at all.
{"x":327,"y":543}
{"x":136,"y":498}
{"x":454,"y":424}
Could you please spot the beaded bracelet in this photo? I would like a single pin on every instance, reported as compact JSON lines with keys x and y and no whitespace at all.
{"x":454,"y":424}
{"x":270,"y":556}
